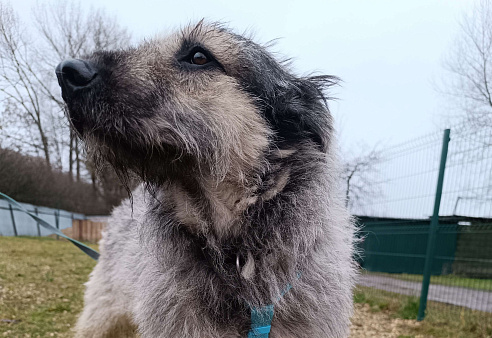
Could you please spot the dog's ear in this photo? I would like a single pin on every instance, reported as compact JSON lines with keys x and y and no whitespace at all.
{"x":295,"y":107}
{"x":297,"y":110}
{"x":306,"y":105}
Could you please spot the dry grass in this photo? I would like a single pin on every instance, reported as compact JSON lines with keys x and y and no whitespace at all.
{"x":369,"y":322}
{"x":396,"y":313}
{"x":41,"y":286}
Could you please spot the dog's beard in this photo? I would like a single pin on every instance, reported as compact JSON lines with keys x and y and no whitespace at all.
{"x":134,"y":162}
{"x":149,"y":149}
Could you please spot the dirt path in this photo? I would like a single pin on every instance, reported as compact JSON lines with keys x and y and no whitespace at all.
{"x":369,"y":324}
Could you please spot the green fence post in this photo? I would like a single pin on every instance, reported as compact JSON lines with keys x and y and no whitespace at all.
{"x":431,"y":242}
{"x":13,"y":219}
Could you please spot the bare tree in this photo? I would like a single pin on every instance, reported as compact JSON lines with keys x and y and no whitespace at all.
{"x":359,"y":176}
{"x":27,"y":80}
{"x":469,"y":65}
{"x":19,"y":82}
{"x":70,"y":32}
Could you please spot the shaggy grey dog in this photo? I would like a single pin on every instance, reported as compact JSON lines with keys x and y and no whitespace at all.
{"x":239,"y":206}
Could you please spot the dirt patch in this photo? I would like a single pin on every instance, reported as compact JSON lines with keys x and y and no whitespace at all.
{"x":368,"y":322}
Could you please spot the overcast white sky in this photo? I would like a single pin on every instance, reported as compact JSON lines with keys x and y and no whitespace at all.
{"x":386,"y":52}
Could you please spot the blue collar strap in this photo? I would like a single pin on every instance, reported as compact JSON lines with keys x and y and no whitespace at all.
{"x":261,"y":321}
{"x":261,"y":318}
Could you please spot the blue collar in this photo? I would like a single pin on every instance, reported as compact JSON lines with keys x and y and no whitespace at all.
{"x":261,"y":318}
{"x":261,"y":321}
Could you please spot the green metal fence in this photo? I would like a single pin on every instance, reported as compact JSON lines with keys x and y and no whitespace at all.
{"x":427,"y":234}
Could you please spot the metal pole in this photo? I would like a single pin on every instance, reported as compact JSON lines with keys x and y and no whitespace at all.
{"x":37,"y":223}
{"x":57,"y":221}
{"x":431,"y":242}
{"x":13,"y":219}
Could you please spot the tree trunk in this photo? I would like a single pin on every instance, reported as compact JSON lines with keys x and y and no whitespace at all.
{"x":77,"y":158}
{"x":70,"y":156}
{"x":44,"y":141}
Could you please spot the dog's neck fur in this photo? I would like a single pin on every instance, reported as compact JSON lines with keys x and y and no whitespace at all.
{"x":214,"y":214}
{"x":285,"y":227}
{"x":207,"y":207}
{"x":225,"y":221}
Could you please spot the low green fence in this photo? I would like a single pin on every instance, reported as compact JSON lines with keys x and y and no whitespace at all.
{"x":427,"y":233}
{"x":463,"y":247}
{"x":395,"y":247}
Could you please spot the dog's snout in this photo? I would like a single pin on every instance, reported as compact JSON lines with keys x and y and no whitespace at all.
{"x":75,"y":74}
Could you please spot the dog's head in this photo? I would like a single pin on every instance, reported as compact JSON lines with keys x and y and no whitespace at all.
{"x":204,"y":97}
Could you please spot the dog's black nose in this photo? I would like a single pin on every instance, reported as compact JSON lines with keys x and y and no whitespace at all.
{"x":75,"y":74}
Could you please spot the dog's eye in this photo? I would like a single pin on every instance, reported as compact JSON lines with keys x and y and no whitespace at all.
{"x":199,"y":59}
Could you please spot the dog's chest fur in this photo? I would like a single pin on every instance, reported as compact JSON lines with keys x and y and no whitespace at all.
{"x":184,"y":276}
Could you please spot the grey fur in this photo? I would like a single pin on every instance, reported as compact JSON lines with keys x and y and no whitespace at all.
{"x":237,"y":163}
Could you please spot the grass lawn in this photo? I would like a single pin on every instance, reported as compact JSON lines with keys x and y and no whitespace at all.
{"x":441,"y":320}
{"x":41,"y":291}
{"x":450,"y":280}
{"x":41,"y":286}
